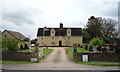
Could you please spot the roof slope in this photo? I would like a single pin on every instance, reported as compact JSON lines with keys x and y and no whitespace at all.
{"x":60,"y":32}
{"x":17,"y":35}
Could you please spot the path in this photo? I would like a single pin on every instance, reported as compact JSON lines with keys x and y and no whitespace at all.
{"x":57,"y":60}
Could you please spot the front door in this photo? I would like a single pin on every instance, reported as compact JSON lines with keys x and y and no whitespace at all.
{"x":60,"y":43}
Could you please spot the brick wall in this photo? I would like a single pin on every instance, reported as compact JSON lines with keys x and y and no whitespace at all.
{"x":18,"y":56}
{"x":109,"y":56}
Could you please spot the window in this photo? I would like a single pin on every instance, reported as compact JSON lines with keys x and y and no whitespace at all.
{"x":79,"y":45}
{"x":41,"y":38}
{"x":52,"y":37}
{"x":52,"y":43}
{"x":68,"y":43}
{"x":68,"y":38}
{"x":68,"y":31}
{"x":4,"y":35}
{"x":52,"y":31}
{"x":42,"y":43}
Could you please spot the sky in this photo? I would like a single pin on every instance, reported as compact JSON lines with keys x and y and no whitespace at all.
{"x":26,"y":16}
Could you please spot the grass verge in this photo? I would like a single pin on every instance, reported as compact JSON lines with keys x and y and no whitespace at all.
{"x":69,"y":51}
{"x":47,"y":51}
{"x":98,"y":63}
{"x":16,"y":62}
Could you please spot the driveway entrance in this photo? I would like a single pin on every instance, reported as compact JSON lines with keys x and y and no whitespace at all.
{"x":57,"y":60}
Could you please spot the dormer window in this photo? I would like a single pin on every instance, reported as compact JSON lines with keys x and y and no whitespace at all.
{"x":52,"y":31}
{"x":52,"y":37}
{"x":68,"y":31}
{"x":68,"y":38}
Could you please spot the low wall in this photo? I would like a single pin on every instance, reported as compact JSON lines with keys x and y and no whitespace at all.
{"x":18,"y":56}
{"x":108,"y":57}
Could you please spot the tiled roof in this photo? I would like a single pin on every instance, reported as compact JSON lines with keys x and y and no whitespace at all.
{"x":17,"y":35}
{"x":60,"y":32}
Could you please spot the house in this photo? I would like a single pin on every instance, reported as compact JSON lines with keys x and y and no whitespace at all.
{"x":59,"y":36}
{"x":8,"y":34}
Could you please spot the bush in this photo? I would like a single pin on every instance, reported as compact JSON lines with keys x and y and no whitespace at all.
{"x":90,"y":48}
{"x":86,"y":47}
{"x":97,"y":41}
{"x":99,"y":48}
{"x":10,"y":44}
{"x":104,"y":49}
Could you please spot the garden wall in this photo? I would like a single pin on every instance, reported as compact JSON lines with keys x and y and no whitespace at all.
{"x":18,"y":56}
{"x":108,"y":56}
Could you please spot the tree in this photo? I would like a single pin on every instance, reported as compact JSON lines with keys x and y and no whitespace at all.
{"x":108,"y":28}
{"x":93,"y":27}
{"x":97,"y":41}
{"x":86,"y":36}
{"x":102,"y":27}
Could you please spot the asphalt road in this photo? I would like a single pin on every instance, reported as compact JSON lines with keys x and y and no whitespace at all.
{"x":57,"y":60}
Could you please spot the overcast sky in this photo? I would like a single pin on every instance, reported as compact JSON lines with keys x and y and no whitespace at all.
{"x":26,"y":16}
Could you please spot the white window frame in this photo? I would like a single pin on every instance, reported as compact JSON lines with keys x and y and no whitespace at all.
{"x":52,"y":38}
{"x":68,"y":38}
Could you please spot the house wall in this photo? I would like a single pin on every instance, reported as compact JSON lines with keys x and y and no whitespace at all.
{"x":48,"y":39}
{"x":5,"y":34}
{"x":23,"y":42}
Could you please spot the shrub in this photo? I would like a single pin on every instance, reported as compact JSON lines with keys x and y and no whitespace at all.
{"x":86,"y":47}
{"x":10,"y":44}
{"x":104,"y":49}
{"x":91,"y":48}
{"x":99,"y":48}
{"x":97,"y":41}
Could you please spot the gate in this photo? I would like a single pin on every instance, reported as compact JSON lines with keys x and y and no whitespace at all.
{"x":40,"y":52}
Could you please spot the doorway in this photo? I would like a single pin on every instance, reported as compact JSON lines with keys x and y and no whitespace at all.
{"x":60,"y":43}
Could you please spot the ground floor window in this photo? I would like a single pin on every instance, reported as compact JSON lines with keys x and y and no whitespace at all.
{"x":69,"y":43}
{"x":52,"y":43}
{"x":42,"y":43}
{"x":78,"y":44}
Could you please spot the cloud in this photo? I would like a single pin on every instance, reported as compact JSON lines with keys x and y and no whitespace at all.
{"x":18,"y":16}
{"x":27,"y":16}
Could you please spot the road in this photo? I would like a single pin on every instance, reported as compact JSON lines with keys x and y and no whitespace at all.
{"x":57,"y":60}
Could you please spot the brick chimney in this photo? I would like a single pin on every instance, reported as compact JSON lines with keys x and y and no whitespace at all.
{"x":61,"y":25}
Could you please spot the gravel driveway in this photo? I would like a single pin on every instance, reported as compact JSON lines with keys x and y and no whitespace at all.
{"x":57,"y":60}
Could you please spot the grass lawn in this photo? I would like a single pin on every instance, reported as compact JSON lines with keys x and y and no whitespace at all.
{"x":26,"y":50}
{"x":16,"y":62}
{"x":70,"y":51}
{"x":47,"y":51}
{"x":98,"y":63}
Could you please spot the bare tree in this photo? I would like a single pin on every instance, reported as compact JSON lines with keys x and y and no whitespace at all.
{"x":108,"y":28}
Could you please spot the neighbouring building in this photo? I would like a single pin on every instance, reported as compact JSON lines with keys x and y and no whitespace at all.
{"x":8,"y":34}
{"x":61,"y":36}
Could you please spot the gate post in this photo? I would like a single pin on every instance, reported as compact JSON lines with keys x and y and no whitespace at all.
{"x":37,"y":51}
